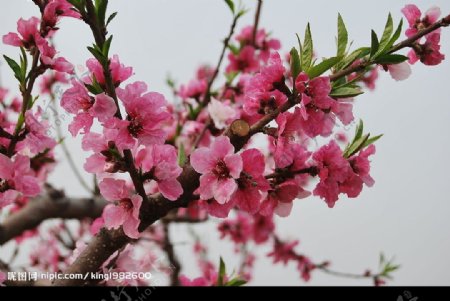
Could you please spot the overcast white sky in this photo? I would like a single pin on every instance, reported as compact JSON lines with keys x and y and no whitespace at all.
{"x":405,"y":214}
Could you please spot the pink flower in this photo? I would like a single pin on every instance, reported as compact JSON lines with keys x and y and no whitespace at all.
{"x":37,"y":139}
{"x":244,"y":61}
{"x":125,"y":212}
{"x":262,"y":41}
{"x":263,"y":227}
{"x":289,"y":127}
{"x":145,"y":114}
{"x":333,"y":170}
{"x":219,"y":168}
{"x":268,"y":78}
{"x":263,"y":103}
{"x":280,"y":199}
{"x":413,"y":15}
{"x":252,"y":185}
{"x":359,"y":173}
{"x":195,"y":89}
{"x":239,"y":229}
{"x":76,"y":100}
{"x":16,"y":178}
{"x":29,"y":34}
{"x":220,"y":113}
{"x":119,"y":72}
{"x":160,"y":162}
{"x":56,"y":9}
{"x":317,"y":106}
{"x":429,"y":52}
{"x":105,"y":154}
{"x":283,"y":251}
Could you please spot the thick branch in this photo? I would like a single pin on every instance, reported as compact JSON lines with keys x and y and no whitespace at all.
{"x":46,"y":207}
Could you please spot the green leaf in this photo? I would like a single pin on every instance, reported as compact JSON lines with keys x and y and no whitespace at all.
{"x":230,"y":4}
{"x":15,"y":68}
{"x":374,"y":45}
{"x":385,"y":38}
{"x":342,"y":40}
{"x":222,"y":272}
{"x":230,"y":76}
{"x":307,"y":49}
{"x":236,"y":282}
{"x":100,"y":8}
{"x":395,"y":36}
{"x":359,"y":130}
{"x":181,"y":155}
{"x":389,"y":59}
{"x":295,"y":63}
{"x":323,"y":66}
{"x":98,"y":54}
{"x":356,"y":146}
{"x":110,"y":18}
{"x":372,"y":140}
{"x":23,"y":63}
{"x":345,"y":92}
{"x":95,"y":87}
{"x":106,"y":47}
{"x":234,"y":49}
{"x":357,"y":54}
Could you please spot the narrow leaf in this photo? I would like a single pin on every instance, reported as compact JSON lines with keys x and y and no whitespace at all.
{"x":323,"y":66}
{"x":342,"y":37}
{"x":395,"y":36}
{"x":357,"y":54}
{"x":111,"y":17}
{"x":222,"y":272}
{"x":307,"y":50}
{"x":356,"y":146}
{"x":374,"y":45}
{"x":230,"y":4}
{"x":181,"y":155}
{"x":236,"y":282}
{"x":388,"y":29}
{"x":14,"y":67}
{"x":372,"y":140}
{"x":345,"y":92}
{"x":389,"y":59}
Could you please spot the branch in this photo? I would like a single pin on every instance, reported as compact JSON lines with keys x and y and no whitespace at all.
{"x":256,"y":23}
{"x":168,"y":248}
{"x":444,"y":22}
{"x":46,"y":207}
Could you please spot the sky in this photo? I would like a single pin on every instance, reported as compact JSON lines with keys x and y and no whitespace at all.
{"x":406,"y":213}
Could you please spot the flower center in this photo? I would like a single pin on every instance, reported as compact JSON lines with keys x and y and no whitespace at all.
{"x":126,"y":204}
{"x":4,"y":185}
{"x":221,"y":170}
{"x":267,"y":106}
{"x":135,"y":127}
{"x":87,"y":103}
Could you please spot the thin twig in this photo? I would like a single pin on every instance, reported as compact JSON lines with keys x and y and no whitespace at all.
{"x":256,"y":23}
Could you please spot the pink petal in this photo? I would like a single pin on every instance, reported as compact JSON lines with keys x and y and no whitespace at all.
{"x":412,"y":13}
{"x":130,"y":228}
{"x":81,"y":121}
{"x":223,"y":190}
{"x":170,"y":189}
{"x":114,"y":216}
{"x":400,"y":71}
{"x":112,"y":189}
{"x":103,"y":108}
{"x":95,"y":163}
{"x":28,"y":185}
{"x":136,"y":200}
{"x":221,"y":147}
{"x":202,"y":161}
{"x":8,"y":197}
{"x":234,"y":164}
{"x":253,"y":162}
{"x":283,"y":209}
{"x":433,"y":14}
{"x":207,"y":181}
{"x":12,"y":39}
{"x":6,"y":167}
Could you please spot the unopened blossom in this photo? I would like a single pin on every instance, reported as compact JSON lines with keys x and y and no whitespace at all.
{"x":125,"y":211}
{"x":16,"y":178}
{"x":219,"y":167}
{"x":161,"y":162}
